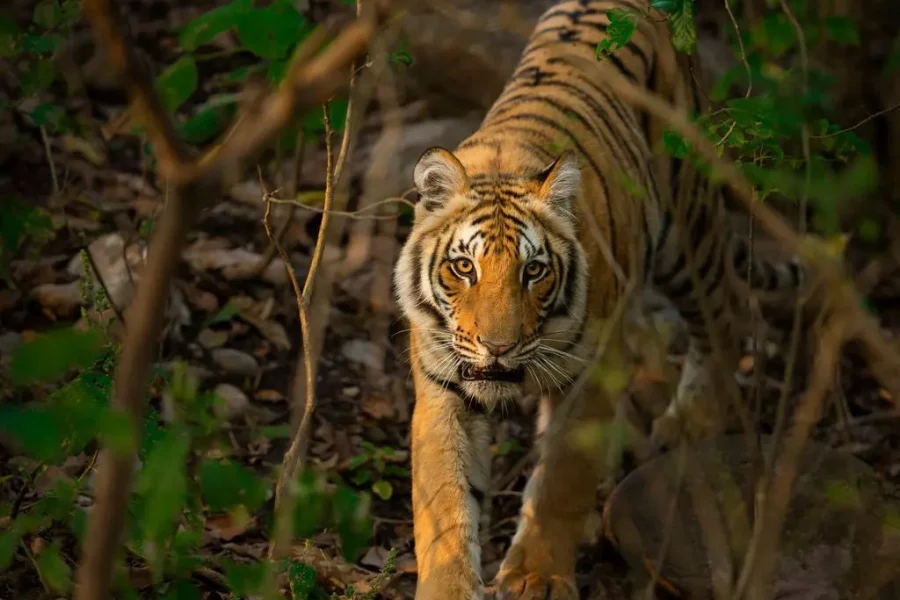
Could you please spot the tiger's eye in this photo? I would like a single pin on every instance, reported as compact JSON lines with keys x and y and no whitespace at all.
{"x":463,"y":266}
{"x":534,"y":269}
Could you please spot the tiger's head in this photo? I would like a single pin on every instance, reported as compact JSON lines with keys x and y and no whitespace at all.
{"x":492,"y":276}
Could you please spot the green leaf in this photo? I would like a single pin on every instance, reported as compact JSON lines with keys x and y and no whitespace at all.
{"x":9,"y":37}
{"x":47,"y":14}
{"x":176,"y":84}
{"x":245,"y":579}
{"x":310,"y":504}
{"x":39,"y":77}
{"x":684,"y":35}
{"x":668,"y":6}
{"x":20,"y":219}
{"x":352,"y":522}
{"x":207,"y":123}
{"x":55,"y":572}
{"x":225,"y":484}
{"x":52,"y":354}
{"x":271,"y":32}
{"x":621,"y":28}
{"x":302,"y":579}
{"x":383,"y":489}
{"x":182,"y":590}
{"x":841,"y":30}
{"x":675,"y":145}
{"x":9,"y":541}
{"x":41,"y":44}
{"x":162,"y":484}
{"x":207,"y":26}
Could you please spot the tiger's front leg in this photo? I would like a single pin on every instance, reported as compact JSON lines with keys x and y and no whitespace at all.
{"x":557,"y":502}
{"x":450,"y":474}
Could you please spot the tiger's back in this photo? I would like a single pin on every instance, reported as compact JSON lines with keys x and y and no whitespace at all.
{"x":525,"y":235}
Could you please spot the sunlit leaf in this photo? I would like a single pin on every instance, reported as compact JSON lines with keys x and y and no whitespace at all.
{"x":383,"y":489}
{"x":684,"y":35}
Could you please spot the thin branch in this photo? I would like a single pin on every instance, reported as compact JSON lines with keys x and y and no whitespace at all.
{"x":313,"y":77}
{"x":351,"y":214}
{"x":112,"y":302}
{"x":746,"y":63}
{"x":50,"y":162}
{"x":295,"y":457}
{"x":860,"y":124}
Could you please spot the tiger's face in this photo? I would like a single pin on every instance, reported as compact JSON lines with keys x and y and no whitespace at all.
{"x":492,"y":275}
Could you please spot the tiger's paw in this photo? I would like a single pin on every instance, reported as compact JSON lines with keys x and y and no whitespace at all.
{"x":521,"y":585}
{"x":521,"y":578}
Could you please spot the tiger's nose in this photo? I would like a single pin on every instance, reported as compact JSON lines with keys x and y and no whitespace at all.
{"x":497,"y":348}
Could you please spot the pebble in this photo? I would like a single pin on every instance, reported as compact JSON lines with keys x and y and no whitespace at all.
{"x":235,"y":362}
{"x":363,"y":352}
{"x":234,"y":401}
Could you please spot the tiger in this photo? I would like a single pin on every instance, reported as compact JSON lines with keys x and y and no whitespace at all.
{"x":523,"y":238}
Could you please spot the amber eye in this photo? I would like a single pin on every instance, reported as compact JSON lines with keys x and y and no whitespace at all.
{"x":463,"y":267}
{"x":534,"y":270}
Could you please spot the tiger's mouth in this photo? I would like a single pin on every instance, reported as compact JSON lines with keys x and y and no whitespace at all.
{"x":495,"y":372}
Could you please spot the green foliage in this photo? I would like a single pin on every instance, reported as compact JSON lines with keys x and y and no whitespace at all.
{"x":28,"y":50}
{"x":50,"y":355}
{"x":176,"y":84}
{"x":373,"y":464}
{"x":622,"y":25}
{"x":21,"y":222}
{"x":681,"y":22}
{"x":225,"y":485}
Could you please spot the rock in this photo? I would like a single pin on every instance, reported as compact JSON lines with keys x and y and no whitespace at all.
{"x":62,"y":299}
{"x":110,"y":255}
{"x":362,"y":352}
{"x":234,"y":402}
{"x":210,"y":339}
{"x":235,"y":361}
{"x":208,"y":254}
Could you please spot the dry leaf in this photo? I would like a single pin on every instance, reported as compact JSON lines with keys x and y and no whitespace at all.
{"x":269,"y":396}
{"x":378,"y":407}
{"x":229,"y":525}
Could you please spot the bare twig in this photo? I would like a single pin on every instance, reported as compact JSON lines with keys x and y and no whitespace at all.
{"x":293,"y":182}
{"x":313,"y":77}
{"x":351,"y":214}
{"x":858,"y":125}
{"x":50,"y":162}
{"x":96,"y":270}
{"x":746,"y":63}
{"x":295,"y":457}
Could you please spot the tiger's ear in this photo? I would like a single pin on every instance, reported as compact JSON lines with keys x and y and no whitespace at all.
{"x":438,"y":177}
{"x":560,"y":182}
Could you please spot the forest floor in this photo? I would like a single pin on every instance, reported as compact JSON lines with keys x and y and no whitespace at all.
{"x":240,"y":336}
